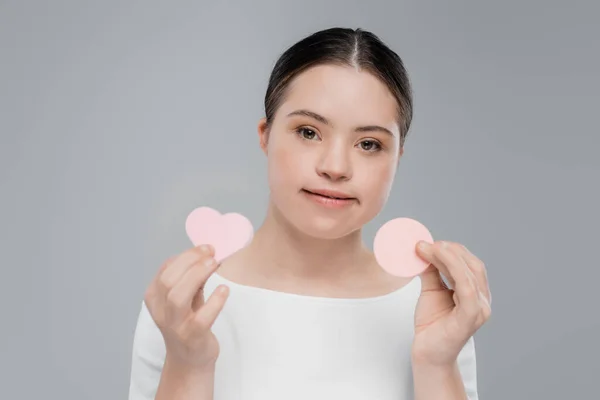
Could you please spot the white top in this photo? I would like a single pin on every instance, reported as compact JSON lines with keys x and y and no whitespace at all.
{"x":278,"y":346}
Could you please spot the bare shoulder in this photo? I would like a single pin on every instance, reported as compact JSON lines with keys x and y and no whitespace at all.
{"x":372,"y":281}
{"x":232,"y":267}
{"x":392,"y":283}
{"x":384,"y":282}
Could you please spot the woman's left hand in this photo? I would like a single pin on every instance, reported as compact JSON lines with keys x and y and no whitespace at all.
{"x":446,"y":318}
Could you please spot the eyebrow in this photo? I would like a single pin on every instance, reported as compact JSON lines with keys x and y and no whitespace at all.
{"x":325,"y":121}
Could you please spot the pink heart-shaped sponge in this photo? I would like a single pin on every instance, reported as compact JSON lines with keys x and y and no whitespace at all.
{"x":227,"y":233}
{"x":395,"y":247}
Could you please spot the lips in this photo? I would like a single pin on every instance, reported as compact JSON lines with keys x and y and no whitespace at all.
{"x":332,"y":194}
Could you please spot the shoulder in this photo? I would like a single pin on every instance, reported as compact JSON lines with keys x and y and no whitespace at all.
{"x":235,"y":269}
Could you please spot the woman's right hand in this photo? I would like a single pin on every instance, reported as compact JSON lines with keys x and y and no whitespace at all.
{"x":175,"y":299}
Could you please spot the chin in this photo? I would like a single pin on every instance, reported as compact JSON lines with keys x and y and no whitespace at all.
{"x":321,"y":223}
{"x":327,"y":228}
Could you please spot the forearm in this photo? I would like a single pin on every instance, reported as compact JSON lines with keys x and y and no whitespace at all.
{"x":438,"y":383}
{"x":178,"y":383}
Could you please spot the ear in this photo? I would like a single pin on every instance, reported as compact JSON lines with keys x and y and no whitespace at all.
{"x":400,"y":154}
{"x":263,"y":134}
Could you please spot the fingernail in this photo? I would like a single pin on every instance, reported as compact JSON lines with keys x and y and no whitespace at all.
{"x":447,"y":282}
{"x":423,"y":245}
{"x":210,"y":262}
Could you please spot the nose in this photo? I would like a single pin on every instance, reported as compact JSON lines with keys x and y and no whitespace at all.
{"x":334,"y":163}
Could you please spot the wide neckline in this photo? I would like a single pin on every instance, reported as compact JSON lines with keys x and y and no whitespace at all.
{"x":338,"y":300}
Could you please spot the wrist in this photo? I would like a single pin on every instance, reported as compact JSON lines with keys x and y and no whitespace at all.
{"x":184,"y":370}
{"x":181,"y":381}
{"x":438,"y":381}
{"x":435,"y":370}
{"x":423,"y":360}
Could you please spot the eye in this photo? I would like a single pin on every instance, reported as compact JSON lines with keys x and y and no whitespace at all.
{"x":306,"y":133}
{"x":370,"y":145}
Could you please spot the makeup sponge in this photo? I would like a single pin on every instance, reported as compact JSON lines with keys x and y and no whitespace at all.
{"x":395,"y":247}
{"x":227,"y":233}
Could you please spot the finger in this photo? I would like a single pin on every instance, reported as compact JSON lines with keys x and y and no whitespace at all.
{"x":211,"y":266}
{"x":479,"y":270}
{"x":207,"y":314}
{"x":486,"y":309}
{"x":182,"y":263}
{"x":432,"y":278}
{"x":152,"y":289}
{"x":163,"y":268}
{"x":466,"y":290}
{"x":180,"y":299}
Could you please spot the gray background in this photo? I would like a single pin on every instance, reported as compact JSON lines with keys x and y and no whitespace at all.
{"x":119,"y":118}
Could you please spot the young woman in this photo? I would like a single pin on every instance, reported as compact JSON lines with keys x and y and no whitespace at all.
{"x":304,"y":311}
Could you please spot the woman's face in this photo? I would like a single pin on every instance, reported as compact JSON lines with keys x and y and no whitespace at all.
{"x":336,"y":131}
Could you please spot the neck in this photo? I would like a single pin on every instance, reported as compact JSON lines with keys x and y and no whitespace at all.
{"x":280,"y":250}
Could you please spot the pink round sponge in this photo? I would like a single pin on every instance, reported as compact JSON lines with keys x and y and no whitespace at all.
{"x":395,"y":247}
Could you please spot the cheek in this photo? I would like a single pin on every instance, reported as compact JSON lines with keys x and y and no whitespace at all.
{"x":283,"y":163}
{"x":377,"y":183}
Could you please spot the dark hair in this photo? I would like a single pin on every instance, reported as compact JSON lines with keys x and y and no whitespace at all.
{"x":345,"y":47}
